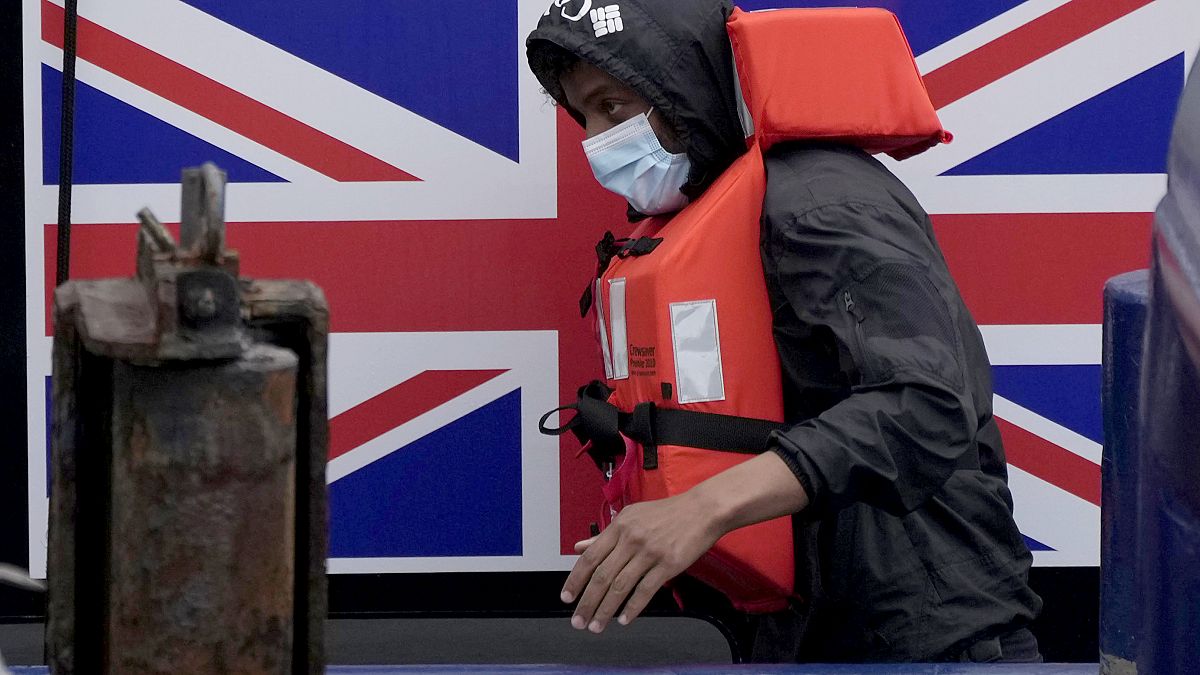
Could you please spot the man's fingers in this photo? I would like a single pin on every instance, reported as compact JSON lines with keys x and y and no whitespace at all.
{"x":597,"y":587}
{"x":625,"y":582}
{"x":582,"y":546}
{"x":596,"y":552}
{"x":643,"y":594}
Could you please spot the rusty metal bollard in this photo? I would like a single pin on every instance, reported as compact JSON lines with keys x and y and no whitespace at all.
{"x":188,"y":507}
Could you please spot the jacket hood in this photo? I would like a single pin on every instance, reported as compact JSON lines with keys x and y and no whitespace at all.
{"x":676,"y":55}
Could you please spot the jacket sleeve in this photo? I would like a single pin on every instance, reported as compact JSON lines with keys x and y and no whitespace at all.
{"x":874,"y":278}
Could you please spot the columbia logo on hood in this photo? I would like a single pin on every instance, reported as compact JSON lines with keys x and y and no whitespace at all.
{"x":605,"y":20}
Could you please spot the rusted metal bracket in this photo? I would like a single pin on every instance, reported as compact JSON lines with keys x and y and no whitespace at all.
{"x":190,"y":435}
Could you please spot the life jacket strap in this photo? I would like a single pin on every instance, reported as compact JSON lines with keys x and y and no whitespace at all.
{"x":610,"y":247}
{"x":639,"y":247}
{"x":710,"y":431}
{"x":596,"y":423}
{"x":599,"y":425}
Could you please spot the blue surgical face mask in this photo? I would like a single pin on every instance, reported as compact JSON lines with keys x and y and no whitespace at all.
{"x":630,"y":161}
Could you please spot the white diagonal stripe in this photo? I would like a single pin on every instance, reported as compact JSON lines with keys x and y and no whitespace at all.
{"x":1056,"y":518}
{"x":1047,"y":429}
{"x":1058,"y":82}
{"x":984,"y":33}
{"x":299,"y":89}
{"x":1074,"y":193}
{"x":183,"y":119}
{"x":421,"y":426}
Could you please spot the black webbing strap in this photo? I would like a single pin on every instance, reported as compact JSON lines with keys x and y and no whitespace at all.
{"x":602,"y":424}
{"x":596,"y":421}
{"x":610,"y":247}
{"x":711,"y":431}
{"x":606,"y":249}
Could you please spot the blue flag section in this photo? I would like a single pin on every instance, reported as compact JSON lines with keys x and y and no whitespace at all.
{"x":135,"y":147}
{"x":1123,"y":130}
{"x":455,"y":492}
{"x":1067,"y":395}
{"x":1035,"y":545}
{"x":403,"y":51}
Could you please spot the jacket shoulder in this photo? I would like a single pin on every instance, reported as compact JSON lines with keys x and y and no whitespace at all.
{"x":802,"y":177}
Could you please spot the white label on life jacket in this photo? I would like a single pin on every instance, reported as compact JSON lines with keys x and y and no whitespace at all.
{"x":601,"y":324}
{"x":620,"y":346}
{"x":697,"y":346}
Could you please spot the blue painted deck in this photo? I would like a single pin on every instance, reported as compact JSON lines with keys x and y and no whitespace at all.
{"x":815,"y":669}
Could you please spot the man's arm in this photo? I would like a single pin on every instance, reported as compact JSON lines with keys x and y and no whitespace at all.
{"x":870,"y":277}
{"x":651,"y":543}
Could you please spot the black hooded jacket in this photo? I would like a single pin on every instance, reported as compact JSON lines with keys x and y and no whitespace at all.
{"x":905,"y":554}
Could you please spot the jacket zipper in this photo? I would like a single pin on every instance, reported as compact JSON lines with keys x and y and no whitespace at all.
{"x":866,"y":368}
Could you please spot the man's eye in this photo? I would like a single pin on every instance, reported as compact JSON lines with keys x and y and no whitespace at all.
{"x":610,"y":107}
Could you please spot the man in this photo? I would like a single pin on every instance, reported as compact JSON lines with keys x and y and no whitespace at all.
{"x":900,"y":556}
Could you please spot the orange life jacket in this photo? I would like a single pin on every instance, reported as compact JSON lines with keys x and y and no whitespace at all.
{"x":682,"y":309}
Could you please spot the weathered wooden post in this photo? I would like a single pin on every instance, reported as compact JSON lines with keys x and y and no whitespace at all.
{"x":188,"y":509}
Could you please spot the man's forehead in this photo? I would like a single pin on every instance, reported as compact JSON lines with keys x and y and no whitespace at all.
{"x":586,"y":80}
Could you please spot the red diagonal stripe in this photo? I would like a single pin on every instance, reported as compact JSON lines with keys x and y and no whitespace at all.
{"x":217,"y":102}
{"x":400,"y":404}
{"x":1055,"y":465}
{"x":1023,"y":46}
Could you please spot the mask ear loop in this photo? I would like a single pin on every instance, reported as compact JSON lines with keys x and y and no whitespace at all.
{"x":648,"y":114}
{"x":660,"y":143}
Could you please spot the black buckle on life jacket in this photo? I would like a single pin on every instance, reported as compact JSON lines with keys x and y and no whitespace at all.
{"x":596,"y":421}
{"x":606,"y":249}
{"x":639,"y":247}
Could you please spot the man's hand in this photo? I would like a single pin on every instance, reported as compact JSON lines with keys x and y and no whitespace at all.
{"x":650,"y":543}
{"x":647,"y":545}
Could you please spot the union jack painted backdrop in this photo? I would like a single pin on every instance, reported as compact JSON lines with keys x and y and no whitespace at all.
{"x":401,"y":156}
